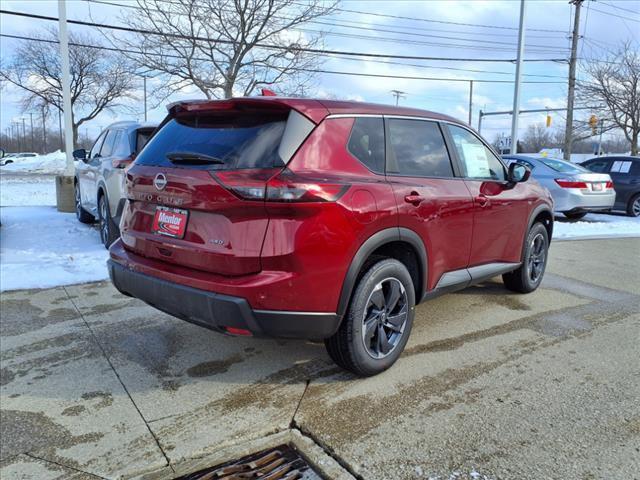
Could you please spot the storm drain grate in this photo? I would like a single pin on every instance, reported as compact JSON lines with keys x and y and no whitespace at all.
{"x":279,"y":463}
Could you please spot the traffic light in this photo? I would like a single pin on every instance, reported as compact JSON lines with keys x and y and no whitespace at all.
{"x":593,"y":123}
{"x":548,"y":120}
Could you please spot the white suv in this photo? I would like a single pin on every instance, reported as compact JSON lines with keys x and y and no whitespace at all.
{"x":99,"y":177}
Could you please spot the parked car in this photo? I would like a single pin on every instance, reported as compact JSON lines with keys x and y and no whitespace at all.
{"x":625,"y":173}
{"x":99,"y":178}
{"x":575,"y":190}
{"x":15,"y":157}
{"x":323,"y":220}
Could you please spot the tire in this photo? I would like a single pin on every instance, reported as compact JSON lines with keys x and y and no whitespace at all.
{"x":81,"y":214}
{"x":371,"y":304}
{"x":574,"y":215}
{"x":108,"y":230}
{"x":633,"y":208}
{"x":528,"y":277}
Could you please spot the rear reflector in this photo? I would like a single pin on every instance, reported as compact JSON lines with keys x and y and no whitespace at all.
{"x":238,"y":331}
{"x":564,"y":183}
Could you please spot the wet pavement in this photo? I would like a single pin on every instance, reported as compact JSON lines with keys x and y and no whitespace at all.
{"x":495,"y":384}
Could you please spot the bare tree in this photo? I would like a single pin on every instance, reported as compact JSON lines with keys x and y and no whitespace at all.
{"x":536,"y":138}
{"x":614,"y":82}
{"x":225,"y":47}
{"x":99,"y":80}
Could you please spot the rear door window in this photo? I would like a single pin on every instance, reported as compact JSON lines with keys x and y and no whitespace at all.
{"x":621,"y":166}
{"x":109,"y":142}
{"x":233,"y":141}
{"x":417,"y":149}
{"x":366,"y":142}
{"x":122,"y":145}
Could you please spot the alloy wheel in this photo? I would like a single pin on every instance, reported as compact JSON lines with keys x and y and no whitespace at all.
{"x":104,"y":223}
{"x":537,"y":258}
{"x":635,"y":208}
{"x":77,"y":200}
{"x":385,"y":318}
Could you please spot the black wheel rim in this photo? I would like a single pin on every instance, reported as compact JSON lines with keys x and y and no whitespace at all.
{"x":635,"y":208}
{"x":385,"y":318}
{"x":537,"y":257}
{"x":104,"y":224}
{"x":77,"y":198}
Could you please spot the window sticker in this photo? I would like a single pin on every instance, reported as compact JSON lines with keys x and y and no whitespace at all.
{"x":476,"y":160}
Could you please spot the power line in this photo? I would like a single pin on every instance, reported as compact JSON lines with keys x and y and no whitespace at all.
{"x":615,"y":15}
{"x":360,"y":12}
{"x":331,"y":72}
{"x":359,"y":28}
{"x":275,"y":47}
{"x":636,"y":12}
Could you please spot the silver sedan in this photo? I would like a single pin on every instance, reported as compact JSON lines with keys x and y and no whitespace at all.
{"x":575,"y":190}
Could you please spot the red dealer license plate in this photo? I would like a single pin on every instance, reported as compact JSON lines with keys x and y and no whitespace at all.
{"x":171,"y":222}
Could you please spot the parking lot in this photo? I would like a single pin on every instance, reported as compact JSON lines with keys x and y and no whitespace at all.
{"x":492,"y":384}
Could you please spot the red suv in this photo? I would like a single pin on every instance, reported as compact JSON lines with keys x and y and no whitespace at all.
{"x":323,"y":220}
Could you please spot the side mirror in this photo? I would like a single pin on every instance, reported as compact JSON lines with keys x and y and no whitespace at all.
{"x":1,"y":153}
{"x":518,"y":173}
{"x":80,"y":154}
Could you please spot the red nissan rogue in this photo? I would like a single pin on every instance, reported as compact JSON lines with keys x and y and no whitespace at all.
{"x":324,"y":220}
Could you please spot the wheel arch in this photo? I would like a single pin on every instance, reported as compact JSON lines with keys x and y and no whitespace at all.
{"x":541,"y":214}
{"x":400,"y":243}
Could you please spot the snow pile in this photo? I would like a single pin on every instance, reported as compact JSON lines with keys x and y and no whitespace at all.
{"x":596,"y":225}
{"x":43,"y":248}
{"x":51,"y":163}
{"x":22,"y":190}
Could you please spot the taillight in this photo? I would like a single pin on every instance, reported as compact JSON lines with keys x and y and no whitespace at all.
{"x":121,"y":162}
{"x":608,"y":185}
{"x":248,"y":184}
{"x":290,"y":187}
{"x":565,"y":183}
{"x":274,"y":185}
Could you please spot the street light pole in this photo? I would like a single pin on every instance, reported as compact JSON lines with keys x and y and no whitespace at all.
{"x":516,"y":93}
{"x":144,"y":80}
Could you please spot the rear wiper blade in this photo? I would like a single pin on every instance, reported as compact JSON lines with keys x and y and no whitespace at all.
{"x":193,"y":158}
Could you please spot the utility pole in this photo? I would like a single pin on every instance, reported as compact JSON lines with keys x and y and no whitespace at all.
{"x":44,"y":131}
{"x":144,"y":80}
{"x":470,"y":101}
{"x":32,"y":147}
{"x":24,"y":134}
{"x":60,"y":130}
{"x":398,"y":94}
{"x":568,"y":130}
{"x":516,"y":92}
{"x":600,"y":139}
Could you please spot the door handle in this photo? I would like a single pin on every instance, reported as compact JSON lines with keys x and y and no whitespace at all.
{"x":482,"y":200}
{"x":414,"y":198}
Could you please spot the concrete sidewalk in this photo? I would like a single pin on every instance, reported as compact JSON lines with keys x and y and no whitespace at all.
{"x":94,"y":384}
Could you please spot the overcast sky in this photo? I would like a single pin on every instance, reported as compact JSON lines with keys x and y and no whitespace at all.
{"x":605,"y":23}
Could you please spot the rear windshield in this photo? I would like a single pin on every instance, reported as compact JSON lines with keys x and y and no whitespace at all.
{"x":562,"y":166}
{"x":142,"y":137}
{"x":235,"y":141}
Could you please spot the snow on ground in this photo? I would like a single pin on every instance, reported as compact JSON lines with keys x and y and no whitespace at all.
{"x":41,"y":247}
{"x":51,"y":163}
{"x":22,"y":190}
{"x":596,"y":225}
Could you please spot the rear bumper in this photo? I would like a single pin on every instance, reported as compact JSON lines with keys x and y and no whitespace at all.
{"x":566,"y":200}
{"x":217,"y":311}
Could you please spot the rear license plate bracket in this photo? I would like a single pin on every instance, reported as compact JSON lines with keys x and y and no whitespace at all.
{"x":170,"y":222}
